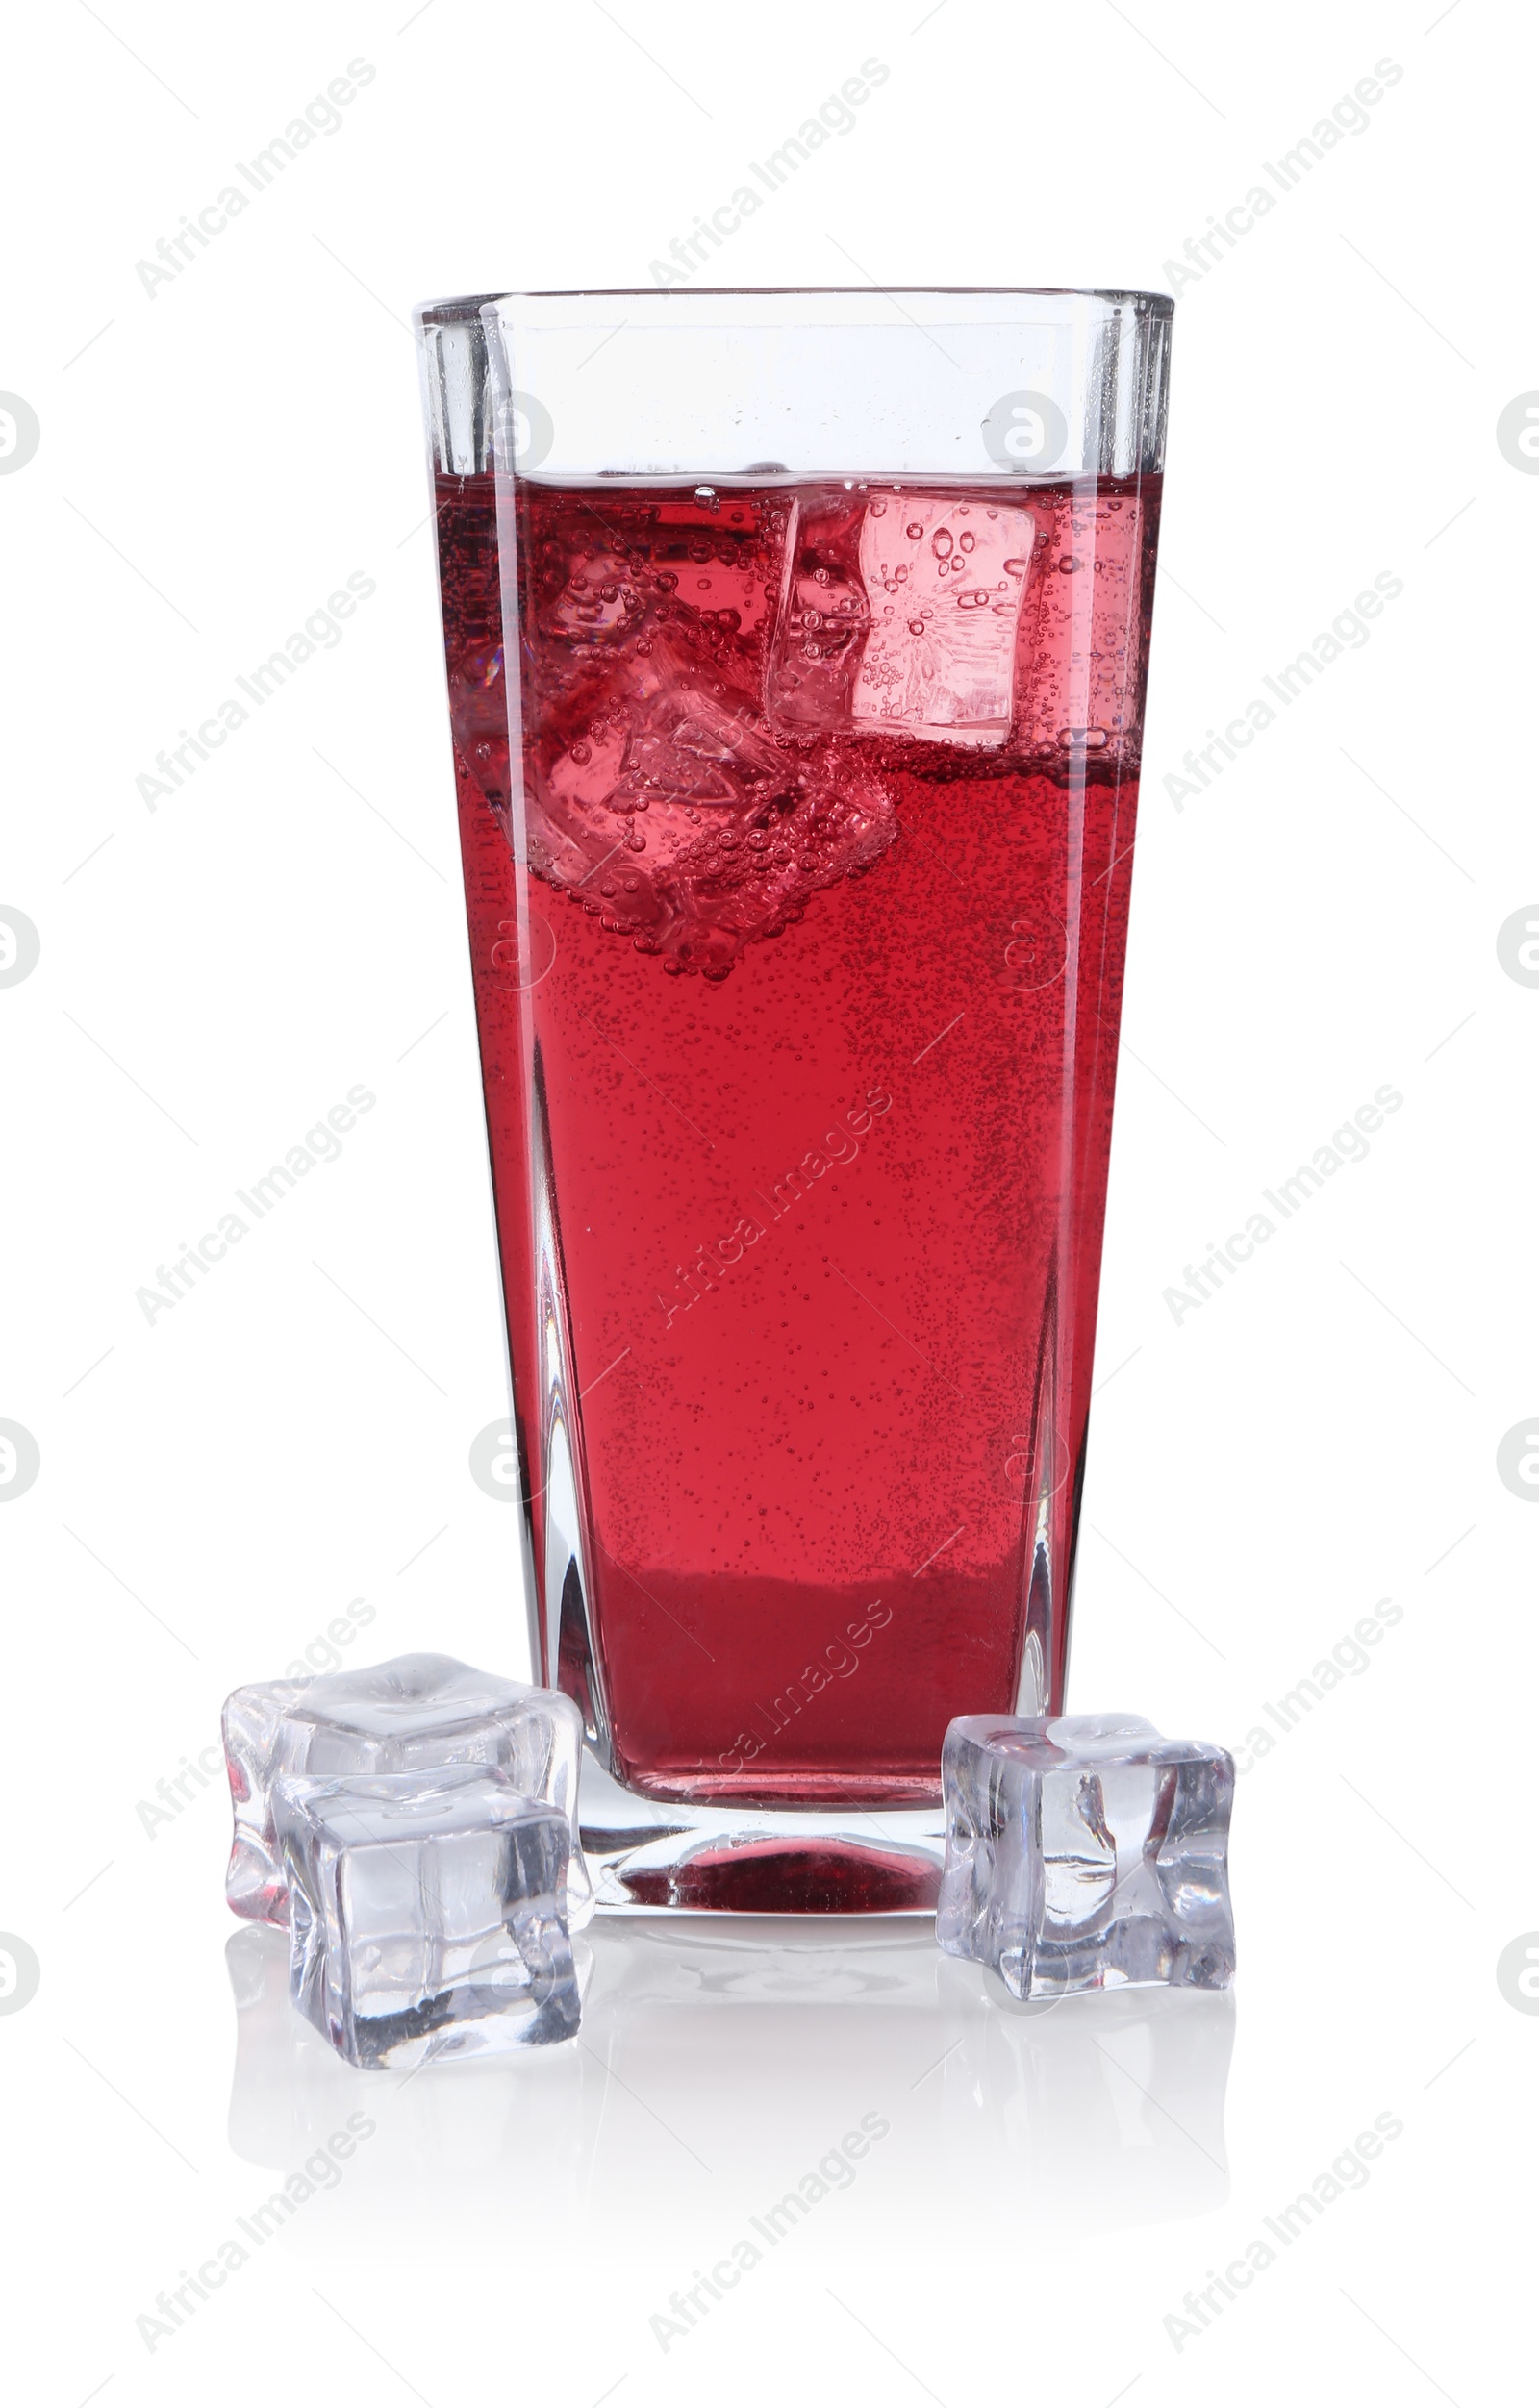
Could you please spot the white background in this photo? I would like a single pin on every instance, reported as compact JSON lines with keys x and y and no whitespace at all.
{"x":215,"y":973}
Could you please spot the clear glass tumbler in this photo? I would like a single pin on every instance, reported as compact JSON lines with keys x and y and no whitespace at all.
{"x":796,"y":646}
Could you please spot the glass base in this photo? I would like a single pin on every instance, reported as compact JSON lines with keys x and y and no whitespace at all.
{"x":647,"y":1857}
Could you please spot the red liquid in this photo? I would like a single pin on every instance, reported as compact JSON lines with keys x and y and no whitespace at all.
{"x":811,"y":1021}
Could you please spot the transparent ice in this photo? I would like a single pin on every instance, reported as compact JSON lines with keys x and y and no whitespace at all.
{"x":946,"y":582}
{"x":1086,"y":1852}
{"x":900,"y":618}
{"x":426,"y":1914}
{"x":413,"y":1713}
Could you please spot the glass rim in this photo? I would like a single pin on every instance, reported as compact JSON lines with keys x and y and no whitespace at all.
{"x":458,"y":308}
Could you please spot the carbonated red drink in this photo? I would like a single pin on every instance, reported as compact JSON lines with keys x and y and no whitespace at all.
{"x":798,"y":842}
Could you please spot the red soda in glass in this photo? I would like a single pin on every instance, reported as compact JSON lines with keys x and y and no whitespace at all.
{"x":796,"y":816}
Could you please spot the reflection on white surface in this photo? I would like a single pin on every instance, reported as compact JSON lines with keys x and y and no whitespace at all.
{"x":721,"y":2063}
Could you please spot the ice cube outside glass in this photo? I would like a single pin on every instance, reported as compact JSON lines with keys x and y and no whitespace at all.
{"x":796,"y":647}
{"x":426,"y":1916}
{"x":1086,"y":1852}
{"x":414,"y":1712}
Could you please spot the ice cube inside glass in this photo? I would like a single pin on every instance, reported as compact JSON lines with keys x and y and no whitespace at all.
{"x":414,"y":1712}
{"x":426,"y":1915}
{"x":1086,"y":1852}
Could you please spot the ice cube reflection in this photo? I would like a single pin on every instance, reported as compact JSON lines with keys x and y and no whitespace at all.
{"x":720,"y":2058}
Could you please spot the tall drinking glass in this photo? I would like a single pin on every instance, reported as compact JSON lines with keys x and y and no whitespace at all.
{"x":796,"y":647}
